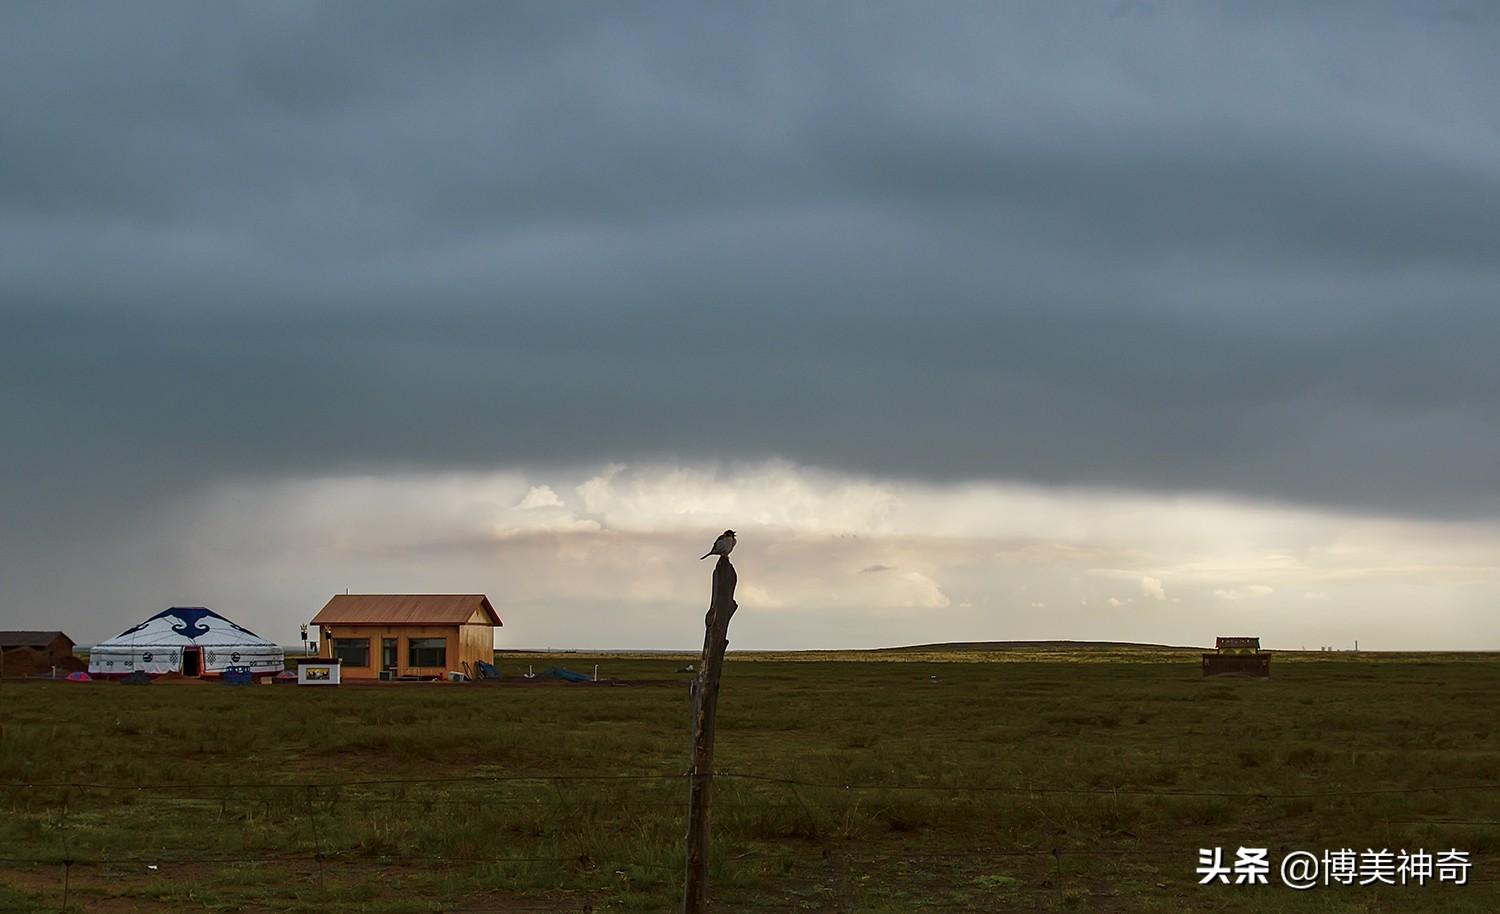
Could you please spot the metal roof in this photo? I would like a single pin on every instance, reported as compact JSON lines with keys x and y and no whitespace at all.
{"x":405,"y":609}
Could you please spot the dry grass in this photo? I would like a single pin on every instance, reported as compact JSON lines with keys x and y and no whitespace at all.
{"x":1095,"y":751}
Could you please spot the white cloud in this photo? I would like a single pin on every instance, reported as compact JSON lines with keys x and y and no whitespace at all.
{"x":753,"y":596}
{"x":583,"y":557}
{"x":540,"y":497}
{"x":1249,"y":592}
{"x":925,"y":592}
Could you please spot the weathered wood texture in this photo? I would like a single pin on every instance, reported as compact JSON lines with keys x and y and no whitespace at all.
{"x":705,"y":710}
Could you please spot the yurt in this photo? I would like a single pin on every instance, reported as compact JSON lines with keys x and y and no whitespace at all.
{"x":191,"y":640}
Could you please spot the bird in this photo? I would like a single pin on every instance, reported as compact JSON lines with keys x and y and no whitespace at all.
{"x":722,"y":546}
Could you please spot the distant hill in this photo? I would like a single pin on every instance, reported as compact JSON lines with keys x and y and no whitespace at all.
{"x":1036,"y":646}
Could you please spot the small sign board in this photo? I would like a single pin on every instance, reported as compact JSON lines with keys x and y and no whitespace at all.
{"x":318,"y":671}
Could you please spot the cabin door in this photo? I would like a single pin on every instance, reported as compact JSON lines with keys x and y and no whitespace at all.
{"x":388,"y":653}
{"x":192,"y":666}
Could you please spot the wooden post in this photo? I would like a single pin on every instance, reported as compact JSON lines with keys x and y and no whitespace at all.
{"x":705,"y":706}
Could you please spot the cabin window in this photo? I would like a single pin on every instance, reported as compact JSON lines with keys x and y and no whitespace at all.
{"x":427,"y":652}
{"x":352,"y":651}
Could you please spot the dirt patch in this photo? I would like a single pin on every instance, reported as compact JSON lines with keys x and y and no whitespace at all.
{"x":120,"y":889}
{"x":101,"y":889}
{"x":522,"y":682}
{"x":514,"y":682}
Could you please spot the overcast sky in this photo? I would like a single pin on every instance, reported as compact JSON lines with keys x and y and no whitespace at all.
{"x":980,"y":321}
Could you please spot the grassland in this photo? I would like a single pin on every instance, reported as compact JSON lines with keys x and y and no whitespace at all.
{"x":1109,"y":775}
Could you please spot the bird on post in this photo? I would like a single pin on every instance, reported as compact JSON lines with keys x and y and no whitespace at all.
{"x":722,"y":546}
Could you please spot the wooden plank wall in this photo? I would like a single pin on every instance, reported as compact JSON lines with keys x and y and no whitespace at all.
{"x":470,"y":643}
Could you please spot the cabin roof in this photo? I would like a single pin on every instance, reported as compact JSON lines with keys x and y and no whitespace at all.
{"x":30,"y":638}
{"x":405,"y":609}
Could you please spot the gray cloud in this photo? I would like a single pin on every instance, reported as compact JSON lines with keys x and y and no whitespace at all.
{"x":1249,"y":252}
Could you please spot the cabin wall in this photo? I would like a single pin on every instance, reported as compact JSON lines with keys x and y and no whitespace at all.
{"x":60,"y":648}
{"x":55,"y":651}
{"x":478,"y":644}
{"x":462,"y":643}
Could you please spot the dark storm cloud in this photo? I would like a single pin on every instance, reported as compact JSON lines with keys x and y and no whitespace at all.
{"x":1248,"y":251}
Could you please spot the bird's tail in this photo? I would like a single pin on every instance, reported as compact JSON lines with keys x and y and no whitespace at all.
{"x":704,"y":556}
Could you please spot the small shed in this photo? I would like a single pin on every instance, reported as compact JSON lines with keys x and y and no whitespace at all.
{"x":28,"y":651}
{"x":1237,"y":655}
{"x":393,"y":636}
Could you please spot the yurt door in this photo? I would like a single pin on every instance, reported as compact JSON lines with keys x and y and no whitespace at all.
{"x":191,"y":665}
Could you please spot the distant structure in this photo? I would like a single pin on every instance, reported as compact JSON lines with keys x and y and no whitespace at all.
{"x":25,"y":653}
{"x":1237,"y":656}
{"x":411,"y":636}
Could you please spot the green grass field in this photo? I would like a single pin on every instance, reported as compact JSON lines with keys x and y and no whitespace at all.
{"x":855,"y":783}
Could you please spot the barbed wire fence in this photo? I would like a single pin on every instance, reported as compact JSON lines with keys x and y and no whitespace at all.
{"x":802,"y":793}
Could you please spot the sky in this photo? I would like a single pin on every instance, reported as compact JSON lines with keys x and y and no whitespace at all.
{"x":1118,"y":320}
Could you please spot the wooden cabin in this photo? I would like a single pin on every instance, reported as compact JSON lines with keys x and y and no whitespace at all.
{"x":394,"y":636}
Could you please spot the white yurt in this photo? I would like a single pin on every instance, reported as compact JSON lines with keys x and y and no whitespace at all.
{"x":191,"y":640}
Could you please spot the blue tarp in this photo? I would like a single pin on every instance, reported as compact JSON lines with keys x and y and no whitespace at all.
{"x":487,"y":670}
{"x":558,"y":672}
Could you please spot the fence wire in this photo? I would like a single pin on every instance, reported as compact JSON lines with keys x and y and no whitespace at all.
{"x":170,"y":786}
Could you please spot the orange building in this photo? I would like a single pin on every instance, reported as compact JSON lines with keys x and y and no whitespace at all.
{"x":407,"y":634}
